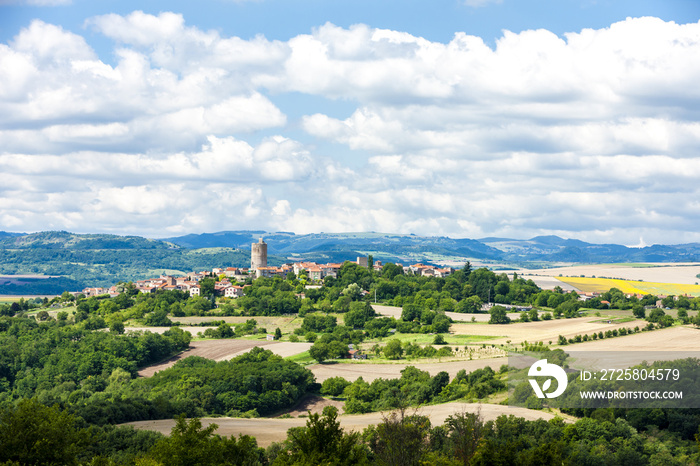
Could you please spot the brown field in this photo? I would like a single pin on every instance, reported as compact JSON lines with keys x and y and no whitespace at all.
{"x":667,"y":339}
{"x":314,"y":404}
{"x":193,"y":330}
{"x":395,"y":312}
{"x":269,"y":430}
{"x":221,"y":350}
{"x":370,"y":371}
{"x":544,"y":330}
{"x":285,"y":323}
{"x":623,"y":352}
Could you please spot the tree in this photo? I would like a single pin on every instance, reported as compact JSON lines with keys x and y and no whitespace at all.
{"x":389,"y":271}
{"x":334,"y":386}
{"x":32,"y":433}
{"x":533,"y":315}
{"x":656,"y":315}
{"x":393,"y":349}
{"x":401,"y":440}
{"x":359,"y":314}
{"x":498,"y":315}
{"x":470,"y":304}
{"x":465,"y":432}
{"x":323,"y":441}
{"x":319,"y":351}
{"x":278,"y":334}
{"x":117,"y":327}
{"x":207,"y":286}
{"x":353,"y":291}
{"x":189,"y":444}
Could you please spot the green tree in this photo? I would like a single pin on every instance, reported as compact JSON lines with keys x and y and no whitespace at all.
{"x":465,"y":433}
{"x":319,"y":351}
{"x":117,"y":327}
{"x":393,"y":349}
{"x":206,"y":286}
{"x":32,"y":433}
{"x":359,"y":314}
{"x":334,"y":386}
{"x":401,"y":440}
{"x":498,"y":315}
{"x":189,"y":444}
{"x":323,"y":442}
{"x":470,"y":304}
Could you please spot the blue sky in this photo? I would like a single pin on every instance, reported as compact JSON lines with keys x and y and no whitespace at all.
{"x":466,"y":118}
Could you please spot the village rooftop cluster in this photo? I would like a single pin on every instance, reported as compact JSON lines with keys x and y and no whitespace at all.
{"x":258,"y":268}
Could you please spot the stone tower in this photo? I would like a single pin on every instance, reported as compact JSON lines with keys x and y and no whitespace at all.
{"x":258,"y":255}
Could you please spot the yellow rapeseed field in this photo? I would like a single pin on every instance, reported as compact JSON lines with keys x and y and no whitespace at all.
{"x":587,"y":284}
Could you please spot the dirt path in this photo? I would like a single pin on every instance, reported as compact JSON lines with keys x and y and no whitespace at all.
{"x":268,"y":430}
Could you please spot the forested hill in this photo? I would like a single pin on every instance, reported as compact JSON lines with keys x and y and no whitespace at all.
{"x":66,"y":240}
{"x":71,"y":262}
{"x":337,"y":247}
{"x":101,"y":260}
{"x":403,"y":248}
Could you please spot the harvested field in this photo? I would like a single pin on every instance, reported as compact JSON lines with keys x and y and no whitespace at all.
{"x":314,"y":404}
{"x":193,"y":330}
{"x":601,"y":285}
{"x":267,"y":431}
{"x":667,"y":339}
{"x":286,"y":323}
{"x":684,"y":273}
{"x":370,"y":371}
{"x":544,"y":330}
{"x":286,"y":348}
{"x":548,"y":283}
{"x":221,"y":350}
{"x":395,"y":312}
{"x":623,"y":352}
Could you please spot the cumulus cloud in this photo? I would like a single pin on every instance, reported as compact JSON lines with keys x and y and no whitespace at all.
{"x":592,"y":134}
{"x":57,"y":81}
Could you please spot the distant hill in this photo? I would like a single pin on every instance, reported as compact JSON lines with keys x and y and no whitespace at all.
{"x":79,"y":260}
{"x":403,"y":248}
{"x":66,"y":240}
{"x":336,"y":247}
{"x":556,"y":249}
{"x":7,"y":234}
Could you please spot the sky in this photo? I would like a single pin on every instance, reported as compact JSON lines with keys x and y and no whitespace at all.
{"x":460,"y":118}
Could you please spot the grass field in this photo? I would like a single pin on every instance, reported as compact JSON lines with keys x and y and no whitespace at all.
{"x":601,"y":285}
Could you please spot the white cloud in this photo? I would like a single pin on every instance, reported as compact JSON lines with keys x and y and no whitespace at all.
{"x":594,"y":134}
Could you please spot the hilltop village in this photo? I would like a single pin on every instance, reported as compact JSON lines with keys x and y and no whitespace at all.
{"x":230,"y":282}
